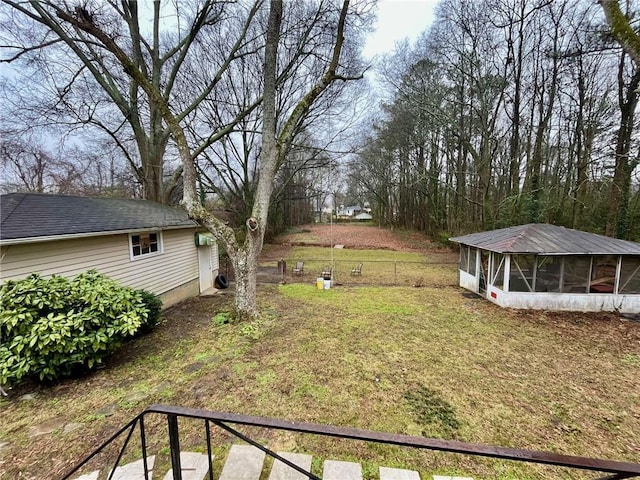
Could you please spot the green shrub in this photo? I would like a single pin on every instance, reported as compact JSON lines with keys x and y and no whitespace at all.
{"x":443,"y":238}
{"x":153,"y":305}
{"x":50,"y":328}
{"x":222,"y":318}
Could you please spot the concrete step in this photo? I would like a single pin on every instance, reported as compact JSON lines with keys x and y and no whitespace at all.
{"x":134,"y":470}
{"x":444,"y":477}
{"x":387,"y":473}
{"x":89,"y":476}
{"x":336,"y":470}
{"x":244,"y":462}
{"x":282,"y":471}
{"x":194,"y":466}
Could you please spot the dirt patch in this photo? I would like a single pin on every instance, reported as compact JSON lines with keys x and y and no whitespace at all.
{"x":359,"y":237}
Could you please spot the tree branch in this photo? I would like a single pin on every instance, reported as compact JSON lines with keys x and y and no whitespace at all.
{"x":621,"y":29}
{"x":25,"y":50}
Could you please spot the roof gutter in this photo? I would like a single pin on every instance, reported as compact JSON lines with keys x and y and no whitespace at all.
{"x":51,"y":238}
{"x":547,"y":254}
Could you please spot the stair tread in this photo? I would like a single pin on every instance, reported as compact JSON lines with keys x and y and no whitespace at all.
{"x":282,"y":471}
{"x":388,"y":473}
{"x":338,"y":470}
{"x":194,"y":466}
{"x":244,"y":462}
{"x":134,"y":470}
{"x":89,"y":476}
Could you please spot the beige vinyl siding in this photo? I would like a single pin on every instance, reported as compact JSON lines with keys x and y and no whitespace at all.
{"x":177,"y":265}
{"x":215,"y":258}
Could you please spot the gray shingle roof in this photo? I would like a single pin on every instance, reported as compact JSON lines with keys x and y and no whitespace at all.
{"x":542,"y":238}
{"x":32,"y":215}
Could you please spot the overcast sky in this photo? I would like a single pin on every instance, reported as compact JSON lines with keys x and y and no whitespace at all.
{"x":397,"y":20}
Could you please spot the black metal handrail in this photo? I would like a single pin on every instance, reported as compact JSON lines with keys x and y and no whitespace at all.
{"x":614,"y":469}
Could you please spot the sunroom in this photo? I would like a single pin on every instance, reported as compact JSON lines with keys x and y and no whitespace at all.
{"x":542,"y":266}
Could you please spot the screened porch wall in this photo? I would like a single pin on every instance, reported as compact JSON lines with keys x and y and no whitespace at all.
{"x":528,"y":273}
{"x":543,"y":274}
{"x":468,"y":268}
{"x":590,"y":274}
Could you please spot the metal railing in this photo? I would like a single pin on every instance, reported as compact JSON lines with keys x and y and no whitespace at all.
{"x":612,"y":469}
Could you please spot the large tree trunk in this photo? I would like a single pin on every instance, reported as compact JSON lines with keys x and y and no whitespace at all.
{"x":618,"y":217}
{"x":245,"y":261}
{"x":621,"y":29}
{"x":245,"y":265}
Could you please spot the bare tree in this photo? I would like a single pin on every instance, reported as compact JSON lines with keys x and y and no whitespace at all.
{"x":92,"y":86}
{"x":27,"y":168}
{"x":504,"y":112}
{"x":80,"y":29}
{"x":31,"y":166}
{"x":628,"y":96}
{"x":276,"y":141}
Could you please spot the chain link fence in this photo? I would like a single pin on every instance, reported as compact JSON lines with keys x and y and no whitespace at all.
{"x":438,"y":270}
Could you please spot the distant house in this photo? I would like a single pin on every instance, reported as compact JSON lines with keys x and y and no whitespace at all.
{"x":348,"y":212}
{"x":140,"y":243}
{"x":541,"y":266}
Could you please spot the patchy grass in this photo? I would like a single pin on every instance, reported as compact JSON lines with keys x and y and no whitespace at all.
{"x":401,"y":360}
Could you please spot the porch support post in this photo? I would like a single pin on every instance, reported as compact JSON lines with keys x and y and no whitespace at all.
{"x":507,"y":270}
{"x":616,"y":285}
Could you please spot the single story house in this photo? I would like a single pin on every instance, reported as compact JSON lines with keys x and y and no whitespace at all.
{"x":348,"y":212}
{"x":542,"y":266}
{"x":142,"y":244}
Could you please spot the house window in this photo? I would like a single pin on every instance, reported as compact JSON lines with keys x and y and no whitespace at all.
{"x":144,"y":244}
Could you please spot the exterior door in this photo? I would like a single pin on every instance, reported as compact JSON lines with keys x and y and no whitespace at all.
{"x":205,"y":267}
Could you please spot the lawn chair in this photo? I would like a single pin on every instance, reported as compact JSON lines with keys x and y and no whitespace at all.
{"x":298,"y":270}
{"x":356,"y":272}
{"x":327,"y":272}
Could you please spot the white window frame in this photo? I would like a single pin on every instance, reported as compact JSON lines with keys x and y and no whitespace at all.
{"x":160,"y":251}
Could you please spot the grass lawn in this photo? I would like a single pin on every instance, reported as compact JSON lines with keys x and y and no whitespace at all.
{"x":421,"y":361}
